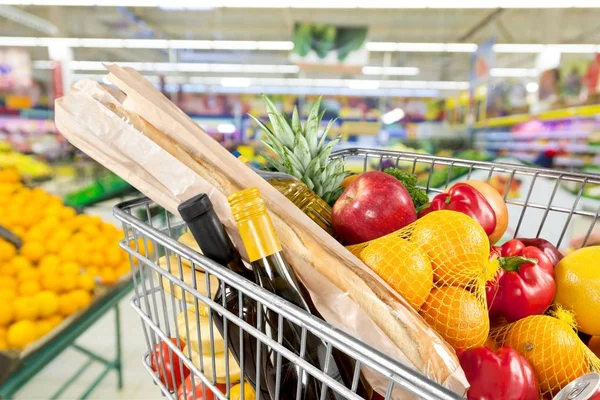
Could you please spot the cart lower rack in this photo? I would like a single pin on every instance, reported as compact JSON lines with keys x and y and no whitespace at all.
{"x":163,"y":294}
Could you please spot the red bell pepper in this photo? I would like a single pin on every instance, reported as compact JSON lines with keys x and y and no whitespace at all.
{"x":503,"y":375}
{"x":467,"y":200}
{"x":548,"y":248}
{"x":524,"y":285}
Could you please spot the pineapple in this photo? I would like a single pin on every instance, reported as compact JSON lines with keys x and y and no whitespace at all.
{"x":301,"y":153}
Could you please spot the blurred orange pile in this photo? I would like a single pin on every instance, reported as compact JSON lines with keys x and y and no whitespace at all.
{"x":54,"y":273}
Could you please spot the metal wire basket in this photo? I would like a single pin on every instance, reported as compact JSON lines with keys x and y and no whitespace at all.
{"x":162,"y":292}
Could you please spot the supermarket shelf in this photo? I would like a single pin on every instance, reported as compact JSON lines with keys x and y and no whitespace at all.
{"x":564,"y":113}
{"x":557,"y":135}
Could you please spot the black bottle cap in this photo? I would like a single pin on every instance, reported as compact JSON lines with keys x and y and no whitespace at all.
{"x":195,"y":207}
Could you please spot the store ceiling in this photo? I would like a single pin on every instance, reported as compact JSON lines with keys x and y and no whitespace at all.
{"x":535,"y":26}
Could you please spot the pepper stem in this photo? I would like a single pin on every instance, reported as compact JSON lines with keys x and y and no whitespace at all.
{"x":514,"y":263}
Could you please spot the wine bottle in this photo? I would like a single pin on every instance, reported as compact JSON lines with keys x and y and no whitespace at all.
{"x":274,"y":274}
{"x":215,"y":244}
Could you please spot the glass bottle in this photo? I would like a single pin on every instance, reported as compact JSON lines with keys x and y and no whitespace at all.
{"x":215,"y":244}
{"x":274,"y":274}
{"x":299,"y":194}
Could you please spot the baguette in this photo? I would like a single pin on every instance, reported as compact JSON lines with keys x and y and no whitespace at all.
{"x":390,"y":312}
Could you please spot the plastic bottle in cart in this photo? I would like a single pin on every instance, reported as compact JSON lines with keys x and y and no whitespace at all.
{"x":299,"y":194}
{"x":210,"y":234}
{"x":274,"y":274}
{"x":586,"y":387}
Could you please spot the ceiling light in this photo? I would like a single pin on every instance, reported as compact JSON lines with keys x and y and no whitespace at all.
{"x":406,"y":71}
{"x":226,"y":128}
{"x":532,"y":87}
{"x":393,"y":116}
{"x":514,"y":72}
{"x":236,"y":82}
{"x":360,"y":84}
{"x":518,"y":48}
{"x":387,"y":4}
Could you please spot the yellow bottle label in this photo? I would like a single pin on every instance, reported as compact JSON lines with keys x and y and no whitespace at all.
{"x":255,"y":226}
{"x":259,"y":237}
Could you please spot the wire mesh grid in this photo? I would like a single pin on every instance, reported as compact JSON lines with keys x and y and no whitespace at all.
{"x":178,"y":292}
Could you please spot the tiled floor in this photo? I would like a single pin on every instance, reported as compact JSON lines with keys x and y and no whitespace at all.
{"x":100,"y":337}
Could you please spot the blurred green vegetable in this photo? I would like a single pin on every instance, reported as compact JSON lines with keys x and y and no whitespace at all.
{"x":418,"y":195}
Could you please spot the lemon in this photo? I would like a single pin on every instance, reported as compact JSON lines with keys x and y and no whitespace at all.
{"x":7,"y":250}
{"x":29,"y":288}
{"x":7,"y":295}
{"x":577,"y":279}
{"x":86,"y":282}
{"x":6,"y":314}
{"x":70,"y":268}
{"x":66,"y":306}
{"x":236,"y":394}
{"x":49,"y":263}
{"x":81,"y":298}
{"x":33,"y":251}
{"x":27,"y":274}
{"x":51,"y":282}
{"x":48,"y":302}
{"x":44,"y":327}
{"x":21,"y":333}
{"x":20,"y":262}
{"x":68,"y":282}
{"x":26,"y":308}
{"x":68,"y":253}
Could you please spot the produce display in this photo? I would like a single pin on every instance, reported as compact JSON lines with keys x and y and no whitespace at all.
{"x":26,"y":166}
{"x":431,"y":278}
{"x":53,"y":274}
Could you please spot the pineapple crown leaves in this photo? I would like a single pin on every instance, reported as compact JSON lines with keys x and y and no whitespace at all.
{"x":301,"y":152}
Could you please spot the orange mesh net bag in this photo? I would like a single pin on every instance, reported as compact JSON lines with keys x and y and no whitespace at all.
{"x":439,"y":264}
{"x":552,"y":347}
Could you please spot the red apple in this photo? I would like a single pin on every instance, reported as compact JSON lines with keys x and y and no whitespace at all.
{"x":372,"y":206}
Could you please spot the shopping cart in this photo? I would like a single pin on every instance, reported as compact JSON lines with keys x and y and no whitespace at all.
{"x":539,"y":207}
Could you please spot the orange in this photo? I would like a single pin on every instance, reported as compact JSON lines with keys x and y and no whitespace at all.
{"x":6,"y":314}
{"x":48,"y":302}
{"x":66,"y":306}
{"x":458,"y":315}
{"x":26,"y":308}
{"x":81,"y":298}
{"x":83,"y":256}
{"x":402,"y":265}
{"x":92,"y":271}
{"x":457,"y":246}
{"x":51,"y":282}
{"x":552,"y":347}
{"x":96,"y":259}
{"x":122,"y":270}
{"x":21,"y":333}
{"x":33,"y":251}
{"x":53,"y":246}
{"x":577,"y":279}
{"x":29,"y":288}
{"x":8,"y":270}
{"x":86,"y":282}
{"x":67,"y":213}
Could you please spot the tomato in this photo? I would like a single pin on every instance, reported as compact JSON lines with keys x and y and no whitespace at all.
{"x":498,"y":205}
{"x":189,"y":393}
{"x":163,"y":364}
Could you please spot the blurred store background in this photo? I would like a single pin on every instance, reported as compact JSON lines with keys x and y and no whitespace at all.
{"x":490,"y":80}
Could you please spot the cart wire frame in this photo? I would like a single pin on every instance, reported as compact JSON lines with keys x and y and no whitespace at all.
{"x":161,"y":294}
